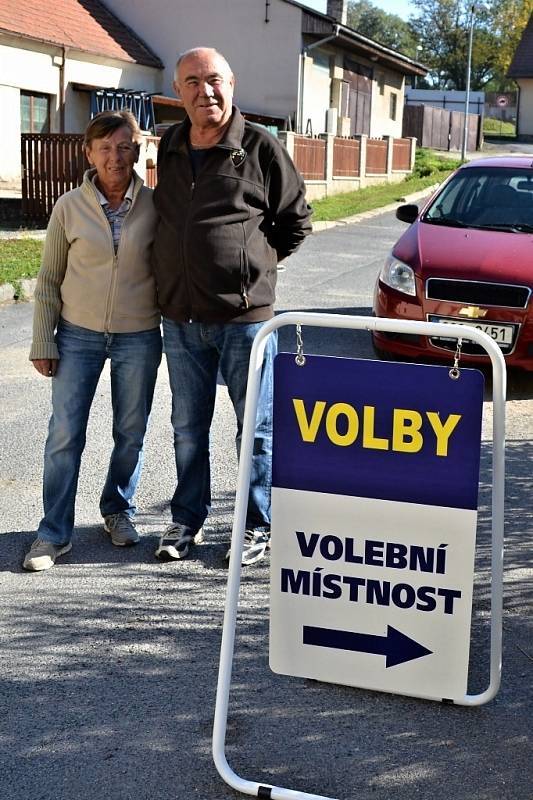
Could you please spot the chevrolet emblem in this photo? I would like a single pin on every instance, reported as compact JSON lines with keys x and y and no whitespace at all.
{"x":473,"y":312}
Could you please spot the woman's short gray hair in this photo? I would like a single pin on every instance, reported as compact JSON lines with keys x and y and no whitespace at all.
{"x":107,"y":122}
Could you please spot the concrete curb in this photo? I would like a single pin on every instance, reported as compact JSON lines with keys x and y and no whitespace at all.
{"x":9,"y":294}
{"x":325,"y":225}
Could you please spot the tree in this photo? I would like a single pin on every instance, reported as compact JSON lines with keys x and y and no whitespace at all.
{"x":388,"y":29}
{"x":509,"y":18}
{"x":443,"y":28}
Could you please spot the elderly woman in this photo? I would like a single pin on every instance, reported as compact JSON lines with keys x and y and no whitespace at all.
{"x":95,"y":299}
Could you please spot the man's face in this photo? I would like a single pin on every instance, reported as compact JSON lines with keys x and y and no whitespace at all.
{"x":205,"y":84}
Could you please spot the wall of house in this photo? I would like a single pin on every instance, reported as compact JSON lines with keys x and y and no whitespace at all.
{"x":92,"y":71}
{"x":27,"y":70}
{"x":37,"y":68}
{"x":385,"y":85}
{"x":263,"y":55}
{"x":525,"y":108}
{"x":10,"y":145}
{"x":316,"y":92}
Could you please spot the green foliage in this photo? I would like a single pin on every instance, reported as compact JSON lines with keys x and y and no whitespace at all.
{"x":388,"y":29}
{"x":19,"y":259}
{"x":428,"y":162}
{"x":509,"y":19}
{"x":438,"y":36}
{"x":443,"y":27}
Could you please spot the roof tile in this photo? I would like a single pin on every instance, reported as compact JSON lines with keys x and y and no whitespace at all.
{"x":86,"y":25}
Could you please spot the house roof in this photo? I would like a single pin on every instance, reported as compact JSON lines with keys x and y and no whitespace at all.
{"x":83,"y":25}
{"x":522,"y":63}
{"x":319,"y":24}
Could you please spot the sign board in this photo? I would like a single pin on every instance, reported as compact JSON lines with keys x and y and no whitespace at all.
{"x":374,"y":513}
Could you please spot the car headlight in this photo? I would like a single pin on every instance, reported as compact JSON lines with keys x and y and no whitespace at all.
{"x":398,"y":275}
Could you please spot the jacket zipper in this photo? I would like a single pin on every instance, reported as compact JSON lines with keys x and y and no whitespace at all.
{"x":185,"y":269}
{"x":114,"y":269}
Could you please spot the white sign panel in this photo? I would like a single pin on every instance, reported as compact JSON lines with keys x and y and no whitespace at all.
{"x":374,"y":512}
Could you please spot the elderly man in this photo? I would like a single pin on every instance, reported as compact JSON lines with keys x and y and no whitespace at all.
{"x":231,"y":206}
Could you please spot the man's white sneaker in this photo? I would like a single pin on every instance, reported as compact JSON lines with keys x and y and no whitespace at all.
{"x":256,"y":543}
{"x":176,"y":542}
{"x":42,"y":555}
{"x":121,"y":530}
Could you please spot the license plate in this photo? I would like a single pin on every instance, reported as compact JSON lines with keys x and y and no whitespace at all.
{"x":502,"y":334}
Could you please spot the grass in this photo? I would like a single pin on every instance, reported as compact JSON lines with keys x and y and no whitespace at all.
{"x":430,"y":168}
{"x":20,"y":258}
{"x":496,"y":127}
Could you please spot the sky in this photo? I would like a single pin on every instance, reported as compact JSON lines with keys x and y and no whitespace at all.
{"x":403,"y":8}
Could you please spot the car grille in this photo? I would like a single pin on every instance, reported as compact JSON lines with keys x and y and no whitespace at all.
{"x":478,"y":293}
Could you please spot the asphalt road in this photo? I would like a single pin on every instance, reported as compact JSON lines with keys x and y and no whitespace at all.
{"x":108,"y":662}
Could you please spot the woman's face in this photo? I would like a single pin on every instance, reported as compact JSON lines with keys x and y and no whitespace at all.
{"x":114,"y":157}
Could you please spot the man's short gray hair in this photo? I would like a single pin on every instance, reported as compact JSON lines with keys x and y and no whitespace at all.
{"x":194,"y":50}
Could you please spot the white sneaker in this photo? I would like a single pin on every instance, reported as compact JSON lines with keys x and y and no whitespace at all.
{"x":256,"y":543}
{"x":176,"y":542}
{"x":42,"y":555}
{"x":121,"y":529}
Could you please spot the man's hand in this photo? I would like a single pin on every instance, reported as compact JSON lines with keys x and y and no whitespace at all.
{"x":46,"y":366}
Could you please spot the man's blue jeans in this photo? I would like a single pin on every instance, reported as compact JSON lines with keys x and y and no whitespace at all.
{"x":134,"y":359}
{"x":195,"y":352}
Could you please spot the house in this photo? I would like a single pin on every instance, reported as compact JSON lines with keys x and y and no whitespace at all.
{"x":295,"y":67}
{"x":521,"y":70}
{"x":54,"y":57}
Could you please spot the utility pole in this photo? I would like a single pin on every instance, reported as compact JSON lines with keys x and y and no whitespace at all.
{"x":467,"y":93}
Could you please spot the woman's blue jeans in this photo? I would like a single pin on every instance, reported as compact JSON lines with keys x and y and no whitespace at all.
{"x":195,"y":352}
{"x":134,"y":359}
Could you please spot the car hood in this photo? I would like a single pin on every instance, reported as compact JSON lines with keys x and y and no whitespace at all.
{"x":466,"y":253}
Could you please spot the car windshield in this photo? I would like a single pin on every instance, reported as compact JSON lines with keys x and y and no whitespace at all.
{"x":490,"y":198}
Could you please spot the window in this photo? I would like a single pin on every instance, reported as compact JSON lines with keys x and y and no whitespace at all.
{"x":34,"y":113}
{"x":381,"y":82}
{"x":393,"y":105}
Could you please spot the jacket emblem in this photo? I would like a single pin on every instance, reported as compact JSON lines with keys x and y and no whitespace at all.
{"x":238,"y":157}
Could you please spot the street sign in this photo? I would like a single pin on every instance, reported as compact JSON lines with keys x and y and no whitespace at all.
{"x":362,"y":410}
{"x":374,"y":513}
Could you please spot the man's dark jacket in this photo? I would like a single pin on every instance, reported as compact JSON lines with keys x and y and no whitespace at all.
{"x":221,"y":235}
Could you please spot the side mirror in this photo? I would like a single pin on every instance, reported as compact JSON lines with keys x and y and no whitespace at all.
{"x":407,"y":213}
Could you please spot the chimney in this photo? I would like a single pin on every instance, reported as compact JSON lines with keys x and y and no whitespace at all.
{"x":338,"y":9}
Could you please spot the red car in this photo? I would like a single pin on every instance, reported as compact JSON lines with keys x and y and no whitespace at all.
{"x":467,"y":257}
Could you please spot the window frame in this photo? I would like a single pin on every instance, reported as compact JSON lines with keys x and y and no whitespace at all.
{"x":33,"y":96}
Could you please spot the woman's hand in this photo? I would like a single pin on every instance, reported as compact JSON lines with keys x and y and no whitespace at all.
{"x":46,"y":366}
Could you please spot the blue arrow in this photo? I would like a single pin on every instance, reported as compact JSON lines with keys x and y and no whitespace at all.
{"x":397,"y":647}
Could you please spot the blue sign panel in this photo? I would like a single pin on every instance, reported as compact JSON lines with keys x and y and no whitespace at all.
{"x":380,"y":430}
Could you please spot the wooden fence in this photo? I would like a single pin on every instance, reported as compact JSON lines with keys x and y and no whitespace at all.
{"x":151,"y":169}
{"x":346,"y":158}
{"x":351,"y":157}
{"x":441,"y":129}
{"x":401,"y":155}
{"x":52,"y":163}
{"x":310,"y":157}
{"x":376,"y":157}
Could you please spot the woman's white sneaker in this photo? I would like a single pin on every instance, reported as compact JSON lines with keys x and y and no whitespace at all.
{"x":42,"y":555}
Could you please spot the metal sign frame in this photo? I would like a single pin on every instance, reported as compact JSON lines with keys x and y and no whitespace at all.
{"x":254,"y":788}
